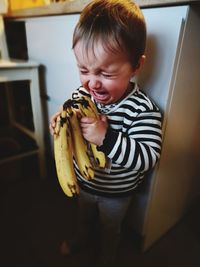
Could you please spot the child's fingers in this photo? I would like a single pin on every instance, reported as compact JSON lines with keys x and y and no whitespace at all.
{"x":103,"y":118}
{"x":88,"y":120}
{"x":53,"y":119}
{"x":52,"y":123}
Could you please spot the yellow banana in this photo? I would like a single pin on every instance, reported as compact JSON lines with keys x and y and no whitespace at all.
{"x":88,"y":109}
{"x":68,"y":140}
{"x":63,"y":156}
{"x":80,"y":146}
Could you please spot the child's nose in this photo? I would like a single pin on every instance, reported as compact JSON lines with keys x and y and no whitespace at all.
{"x":94,"y":83}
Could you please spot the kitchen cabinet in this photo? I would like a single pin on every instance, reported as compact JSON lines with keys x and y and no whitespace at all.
{"x":171,"y":77}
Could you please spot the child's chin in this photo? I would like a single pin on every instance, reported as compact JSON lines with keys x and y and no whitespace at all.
{"x":103,"y":102}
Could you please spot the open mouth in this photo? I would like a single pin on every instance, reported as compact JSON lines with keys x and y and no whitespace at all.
{"x":100,"y":96}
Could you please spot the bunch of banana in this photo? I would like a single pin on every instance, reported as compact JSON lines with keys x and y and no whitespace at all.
{"x":80,"y":146}
{"x":63,"y":155}
{"x":69,"y":142}
{"x":88,"y":109}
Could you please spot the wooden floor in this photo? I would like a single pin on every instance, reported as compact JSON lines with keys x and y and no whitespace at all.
{"x":36,"y":216}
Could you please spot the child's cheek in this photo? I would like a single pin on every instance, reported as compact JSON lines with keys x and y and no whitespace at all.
{"x":84,"y":82}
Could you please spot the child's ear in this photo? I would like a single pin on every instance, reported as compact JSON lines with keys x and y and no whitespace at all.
{"x":140,"y":63}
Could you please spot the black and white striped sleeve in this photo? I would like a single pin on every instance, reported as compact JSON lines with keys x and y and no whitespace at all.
{"x":139,"y":147}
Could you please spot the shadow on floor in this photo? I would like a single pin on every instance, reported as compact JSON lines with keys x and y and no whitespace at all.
{"x":36,"y":216}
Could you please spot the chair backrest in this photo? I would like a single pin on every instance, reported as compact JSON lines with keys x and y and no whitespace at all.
{"x":3,"y":44}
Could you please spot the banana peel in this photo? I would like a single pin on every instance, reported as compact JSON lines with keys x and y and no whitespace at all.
{"x":69,"y":143}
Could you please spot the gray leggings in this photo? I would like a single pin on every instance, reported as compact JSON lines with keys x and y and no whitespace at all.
{"x":111,"y":212}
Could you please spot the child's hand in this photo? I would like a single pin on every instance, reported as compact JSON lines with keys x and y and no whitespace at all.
{"x":53,"y":118}
{"x":94,"y":130}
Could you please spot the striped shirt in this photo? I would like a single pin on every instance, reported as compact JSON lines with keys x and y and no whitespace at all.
{"x":132,"y":144}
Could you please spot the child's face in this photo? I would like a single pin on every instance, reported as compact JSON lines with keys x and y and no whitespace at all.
{"x":104,"y":74}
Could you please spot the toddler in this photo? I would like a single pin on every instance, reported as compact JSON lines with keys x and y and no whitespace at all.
{"x":109,"y":45}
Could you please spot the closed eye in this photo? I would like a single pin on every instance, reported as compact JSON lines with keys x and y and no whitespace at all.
{"x":83,"y":71}
{"x":109,"y":75}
